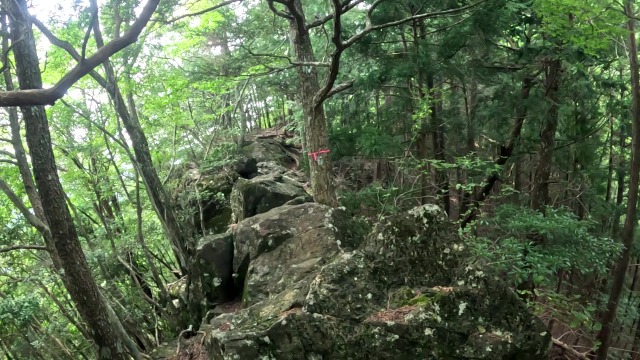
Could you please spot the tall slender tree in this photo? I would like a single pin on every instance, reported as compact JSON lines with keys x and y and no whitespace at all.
{"x":108,"y":333}
{"x":620,"y":271}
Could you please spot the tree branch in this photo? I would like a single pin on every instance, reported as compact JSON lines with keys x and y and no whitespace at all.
{"x":66,"y":46}
{"x":212,"y":8}
{"x":339,"y":88}
{"x":17,"y":202}
{"x":370,"y":28}
{"x":570,"y":349}
{"x":506,"y":151}
{"x":278,"y":12}
{"x":93,"y":7}
{"x":288,"y":59}
{"x":334,"y":69}
{"x":346,"y":6}
{"x":49,"y":96}
{"x":7,"y":153}
{"x":122,"y":144}
{"x":327,"y":91}
{"x":23,"y":247}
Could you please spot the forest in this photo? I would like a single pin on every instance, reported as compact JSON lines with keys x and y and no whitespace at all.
{"x":147,"y":144}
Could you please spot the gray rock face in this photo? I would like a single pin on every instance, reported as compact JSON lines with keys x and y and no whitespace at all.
{"x":288,"y":245}
{"x":214,"y":267}
{"x":250,"y":197}
{"x":267,"y":150}
{"x":204,"y":193}
{"x":316,"y":290}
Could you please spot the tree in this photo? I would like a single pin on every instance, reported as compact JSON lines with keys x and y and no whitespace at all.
{"x":620,"y":271}
{"x":25,"y":97}
{"x":455,"y":104}
{"x":313,"y":95}
{"x":108,"y":333}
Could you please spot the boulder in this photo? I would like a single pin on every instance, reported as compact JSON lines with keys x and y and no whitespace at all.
{"x":315,"y":289}
{"x":204,"y":193}
{"x":269,"y":150}
{"x":246,"y":167}
{"x":287,"y":245}
{"x":272,"y":167}
{"x":250,"y":197}
{"x":213,"y":268}
{"x":177,"y":290}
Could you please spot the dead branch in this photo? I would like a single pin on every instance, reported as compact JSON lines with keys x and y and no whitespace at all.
{"x":571,"y":350}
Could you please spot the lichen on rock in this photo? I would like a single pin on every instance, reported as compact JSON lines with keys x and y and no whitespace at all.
{"x":407,"y":290}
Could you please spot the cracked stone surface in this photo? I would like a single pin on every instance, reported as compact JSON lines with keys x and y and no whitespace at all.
{"x":315,"y":289}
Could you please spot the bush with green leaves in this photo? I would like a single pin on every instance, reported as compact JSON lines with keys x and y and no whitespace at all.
{"x":377,"y":200}
{"x":370,"y":141}
{"x":526,"y":244}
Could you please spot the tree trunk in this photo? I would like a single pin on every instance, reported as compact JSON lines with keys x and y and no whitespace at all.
{"x":315,"y":125}
{"x":505,"y":151}
{"x":180,"y":241}
{"x":437,"y":134}
{"x":108,"y":333}
{"x":471,"y":105}
{"x":7,"y":351}
{"x":611,"y":160}
{"x":620,"y":169}
{"x":540,"y":192}
{"x":604,"y":336}
{"x":21,"y":156}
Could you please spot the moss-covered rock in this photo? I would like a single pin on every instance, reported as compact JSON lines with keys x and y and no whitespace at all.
{"x":287,"y":246}
{"x":407,"y":291}
{"x":203,"y":195}
{"x":203,"y":192}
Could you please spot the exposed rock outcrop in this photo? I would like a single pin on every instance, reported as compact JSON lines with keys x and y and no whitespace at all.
{"x":287,"y":245}
{"x":316,"y":289}
{"x":261,"y":174}
{"x":274,"y":149}
{"x":263,"y":193}
{"x":204,"y":193}
{"x":214,"y":267}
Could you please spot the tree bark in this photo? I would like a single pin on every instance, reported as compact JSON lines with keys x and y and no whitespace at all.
{"x":181,"y":243}
{"x":315,"y":124}
{"x":21,"y":157}
{"x":619,"y":274}
{"x":108,"y":334}
{"x":161,"y":204}
{"x":611,"y":161}
{"x":540,"y":192}
{"x":438,"y":138}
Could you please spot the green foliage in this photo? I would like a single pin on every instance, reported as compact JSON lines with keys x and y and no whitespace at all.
{"x":370,"y":141}
{"x":580,"y":24}
{"x":574,"y":310}
{"x":526,"y":244}
{"x":193,"y":82}
{"x":220,"y":154}
{"x":18,"y":312}
{"x":377,"y":200}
